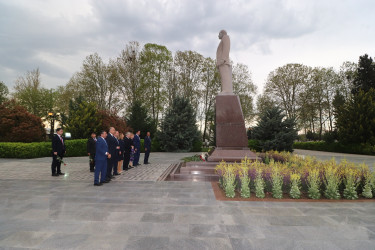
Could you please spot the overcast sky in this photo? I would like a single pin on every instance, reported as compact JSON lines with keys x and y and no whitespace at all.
{"x":57,"y":35}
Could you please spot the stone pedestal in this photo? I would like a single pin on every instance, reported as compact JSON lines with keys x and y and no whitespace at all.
{"x":231,"y":138}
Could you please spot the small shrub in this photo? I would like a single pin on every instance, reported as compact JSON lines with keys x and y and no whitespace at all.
{"x":229,"y":181}
{"x":351,"y":182}
{"x":259,"y":184}
{"x":245,"y":180}
{"x":277,"y":183}
{"x":332,"y":181}
{"x":313,"y":184}
{"x":367,"y":188}
{"x":295,"y":180}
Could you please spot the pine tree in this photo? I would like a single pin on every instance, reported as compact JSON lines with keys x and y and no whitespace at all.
{"x":356,"y":120}
{"x":275,"y":131}
{"x":365,"y":76}
{"x":178,"y":129}
{"x":139,"y":119}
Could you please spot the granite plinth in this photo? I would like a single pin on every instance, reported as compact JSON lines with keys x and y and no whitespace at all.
{"x":230,"y":124}
{"x":231,"y":138}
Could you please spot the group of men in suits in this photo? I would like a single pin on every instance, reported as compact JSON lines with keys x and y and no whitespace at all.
{"x":104,"y":152}
{"x":116,"y":151}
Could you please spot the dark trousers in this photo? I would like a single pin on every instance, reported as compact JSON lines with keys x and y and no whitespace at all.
{"x":100,"y":169}
{"x":109,"y":168}
{"x":125,"y":164}
{"x":92,"y":162}
{"x":136,"y":157}
{"x":56,"y":165}
{"x":147,"y":154}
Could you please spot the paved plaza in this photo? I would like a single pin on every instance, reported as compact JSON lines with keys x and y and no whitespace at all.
{"x":38,"y":211}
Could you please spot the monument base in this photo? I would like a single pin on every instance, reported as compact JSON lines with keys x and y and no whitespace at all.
{"x":232,"y":155}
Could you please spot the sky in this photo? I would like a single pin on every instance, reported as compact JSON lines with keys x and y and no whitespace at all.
{"x":56,"y":35}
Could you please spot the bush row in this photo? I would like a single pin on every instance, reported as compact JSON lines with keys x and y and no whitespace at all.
{"x":297,"y":176}
{"x":75,"y":147}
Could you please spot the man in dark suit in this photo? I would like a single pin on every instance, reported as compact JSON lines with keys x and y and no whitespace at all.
{"x":112,"y":144}
{"x":58,"y":152}
{"x":147,"y":148}
{"x":128,"y":143}
{"x":91,"y":150}
{"x":137,"y":148}
{"x":101,"y":156}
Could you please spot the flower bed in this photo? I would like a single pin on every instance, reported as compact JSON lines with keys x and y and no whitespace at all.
{"x":282,"y":174}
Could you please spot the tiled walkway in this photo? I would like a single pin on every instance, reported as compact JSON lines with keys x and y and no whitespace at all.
{"x":38,"y":211}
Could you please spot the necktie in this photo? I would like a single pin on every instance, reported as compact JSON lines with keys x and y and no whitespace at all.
{"x":61,"y":140}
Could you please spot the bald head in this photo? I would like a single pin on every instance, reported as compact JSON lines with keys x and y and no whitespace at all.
{"x":222,"y":33}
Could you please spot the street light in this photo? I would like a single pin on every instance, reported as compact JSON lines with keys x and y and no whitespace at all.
{"x":52,"y":116}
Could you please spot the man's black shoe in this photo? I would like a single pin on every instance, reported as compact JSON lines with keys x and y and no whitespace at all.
{"x":104,"y":181}
{"x":61,"y":173}
{"x":92,"y":170}
{"x":146,"y":163}
{"x":54,"y":174}
{"x":116,"y":174}
{"x":98,"y":184}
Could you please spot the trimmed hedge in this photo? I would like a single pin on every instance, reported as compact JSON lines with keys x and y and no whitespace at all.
{"x":40,"y":149}
{"x":337,"y":147}
{"x":74,"y":148}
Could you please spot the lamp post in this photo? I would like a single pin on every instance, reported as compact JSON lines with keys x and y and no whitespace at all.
{"x":51,"y":115}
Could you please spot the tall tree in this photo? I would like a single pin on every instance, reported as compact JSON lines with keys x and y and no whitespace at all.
{"x":128,"y":66}
{"x":365,"y":77}
{"x":209,"y":88}
{"x":188,"y":67}
{"x":356,"y":119}
{"x":285,"y":85}
{"x":3,"y":92}
{"x":155,"y":62}
{"x":30,"y":93}
{"x":244,"y":87}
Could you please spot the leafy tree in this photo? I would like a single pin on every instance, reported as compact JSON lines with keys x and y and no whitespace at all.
{"x":128,"y":68}
{"x":18,"y":125}
{"x":83,"y":118}
{"x":244,"y":87}
{"x":139,"y":119}
{"x":285,"y":84}
{"x":155,"y":61}
{"x":30,"y":94}
{"x":365,"y":75}
{"x":188,"y":67}
{"x":178,"y":129}
{"x":3,"y":92}
{"x":275,"y":131}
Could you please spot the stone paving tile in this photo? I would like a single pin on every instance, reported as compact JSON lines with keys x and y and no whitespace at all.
{"x":41,"y":212}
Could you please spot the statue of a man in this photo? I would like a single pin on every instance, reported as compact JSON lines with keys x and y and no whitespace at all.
{"x":223,"y":63}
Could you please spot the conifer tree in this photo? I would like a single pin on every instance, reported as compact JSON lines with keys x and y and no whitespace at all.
{"x":274,"y":131}
{"x":178,"y":129}
{"x":139,"y":119}
{"x":83,"y":118}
